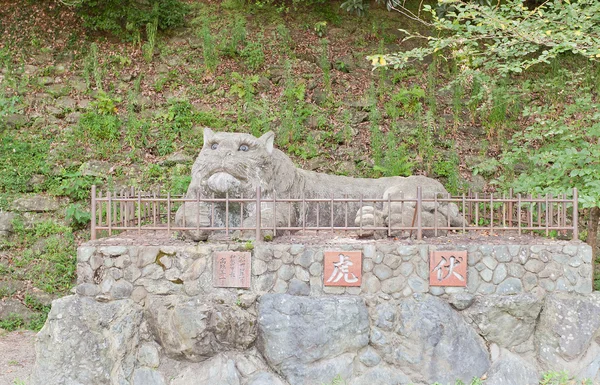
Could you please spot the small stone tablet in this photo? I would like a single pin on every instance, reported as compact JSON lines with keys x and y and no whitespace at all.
{"x":231,"y":269}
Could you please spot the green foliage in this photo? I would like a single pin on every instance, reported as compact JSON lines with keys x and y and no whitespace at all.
{"x":51,"y":269}
{"x":405,"y":102}
{"x":558,"y":151}
{"x":243,"y":86}
{"x":236,"y":36}
{"x":447,"y":168}
{"x":179,"y":118}
{"x":505,"y":37}
{"x":253,"y":55}
{"x":325,"y":65}
{"x":8,"y":105}
{"x":73,"y":185}
{"x":91,"y":68}
{"x":12,"y":322}
{"x":294,"y":112}
{"x":77,"y":216}
{"x":561,"y":378}
{"x":209,"y":49}
{"x":36,"y":322}
{"x":99,"y":127}
{"x":320,"y":28}
{"x":137,"y":132}
{"x":284,"y":37}
{"x":151,"y":30}
{"x":280,"y":6}
{"x":341,"y":66}
{"x":19,"y":161}
{"x":396,"y":159}
{"x":170,"y":79}
{"x":6,"y":291}
{"x":357,"y":6}
{"x":104,"y":104}
{"x":337,"y":380}
{"x":128,"y":18}
{"x":179,"y":183}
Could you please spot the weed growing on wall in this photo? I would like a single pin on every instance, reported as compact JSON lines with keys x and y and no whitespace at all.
{"x":209,"y":49}
{"x":151,"y":30}
{"x":236,"y":36}
{"x":91,"y":69}
{"x":325,"y":65}
{"x":253,"y":55}
{"x":20,"y":161}
{"x":51,"y":266}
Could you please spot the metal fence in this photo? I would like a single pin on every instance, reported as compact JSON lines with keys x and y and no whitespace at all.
{"x":114,"y":212}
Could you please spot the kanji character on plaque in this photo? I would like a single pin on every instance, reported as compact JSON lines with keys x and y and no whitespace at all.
{"x":342,"y":268}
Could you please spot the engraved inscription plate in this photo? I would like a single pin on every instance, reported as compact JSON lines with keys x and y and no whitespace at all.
{"x":231,"y":269}
{"x":448,"y":268}
{"x":342,"y":268}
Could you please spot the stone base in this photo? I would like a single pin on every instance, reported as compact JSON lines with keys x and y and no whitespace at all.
{"x":150,"y":314}
{"x":297,"y":340}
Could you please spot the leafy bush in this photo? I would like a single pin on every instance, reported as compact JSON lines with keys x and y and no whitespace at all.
{"x":568,"y":156}
{"x":504,"y":37}
{"x":237,"y":36}
{"x":243,"y":86}
{"x":100,"y":127}
{"x":253,"y":55}
{"x":77,"y":217}
{"x":357,"y":6}
{"x":74,"y":185}
{"x":128,"y":18}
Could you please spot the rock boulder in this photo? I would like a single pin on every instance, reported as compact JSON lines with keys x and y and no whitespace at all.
{"x":87,"y":342}
{"x":507,"y":320}
{"x":309,"y":340}
{"x":428,"y":340}
{"x":565,"y":331}
{"x":197,"y":328}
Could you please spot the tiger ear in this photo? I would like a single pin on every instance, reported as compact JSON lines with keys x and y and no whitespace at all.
{"x":267,"y":139}
{"x":208,"y":134}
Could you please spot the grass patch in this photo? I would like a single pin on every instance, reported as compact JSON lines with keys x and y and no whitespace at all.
{"x":20,"y":160}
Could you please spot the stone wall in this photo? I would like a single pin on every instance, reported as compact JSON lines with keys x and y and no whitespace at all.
{"x":397,"y":270}
{"x":149,"y":314}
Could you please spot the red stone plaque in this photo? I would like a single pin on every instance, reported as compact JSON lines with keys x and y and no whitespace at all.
{"x":342,"y":268}
{"x":231,"y":269}
{"x":448,"y":268}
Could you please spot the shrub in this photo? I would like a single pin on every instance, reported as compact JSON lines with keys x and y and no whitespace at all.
{"x":128,"y":18}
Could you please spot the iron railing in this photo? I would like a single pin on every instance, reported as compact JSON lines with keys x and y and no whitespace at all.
{"x":113,"y":212}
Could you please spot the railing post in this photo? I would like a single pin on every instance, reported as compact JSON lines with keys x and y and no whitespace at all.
{"x":139,"y":211}
{"x":168,"y":214}
{"x":227,"y":213}
{"x":419,"y":203}
{"x":258,"y":219}
{"x":575,"y":214}
{"x":109,"y":211}
{"x":93,"y":218}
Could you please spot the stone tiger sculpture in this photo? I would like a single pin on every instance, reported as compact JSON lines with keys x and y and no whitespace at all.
{"x":235,"y":164}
